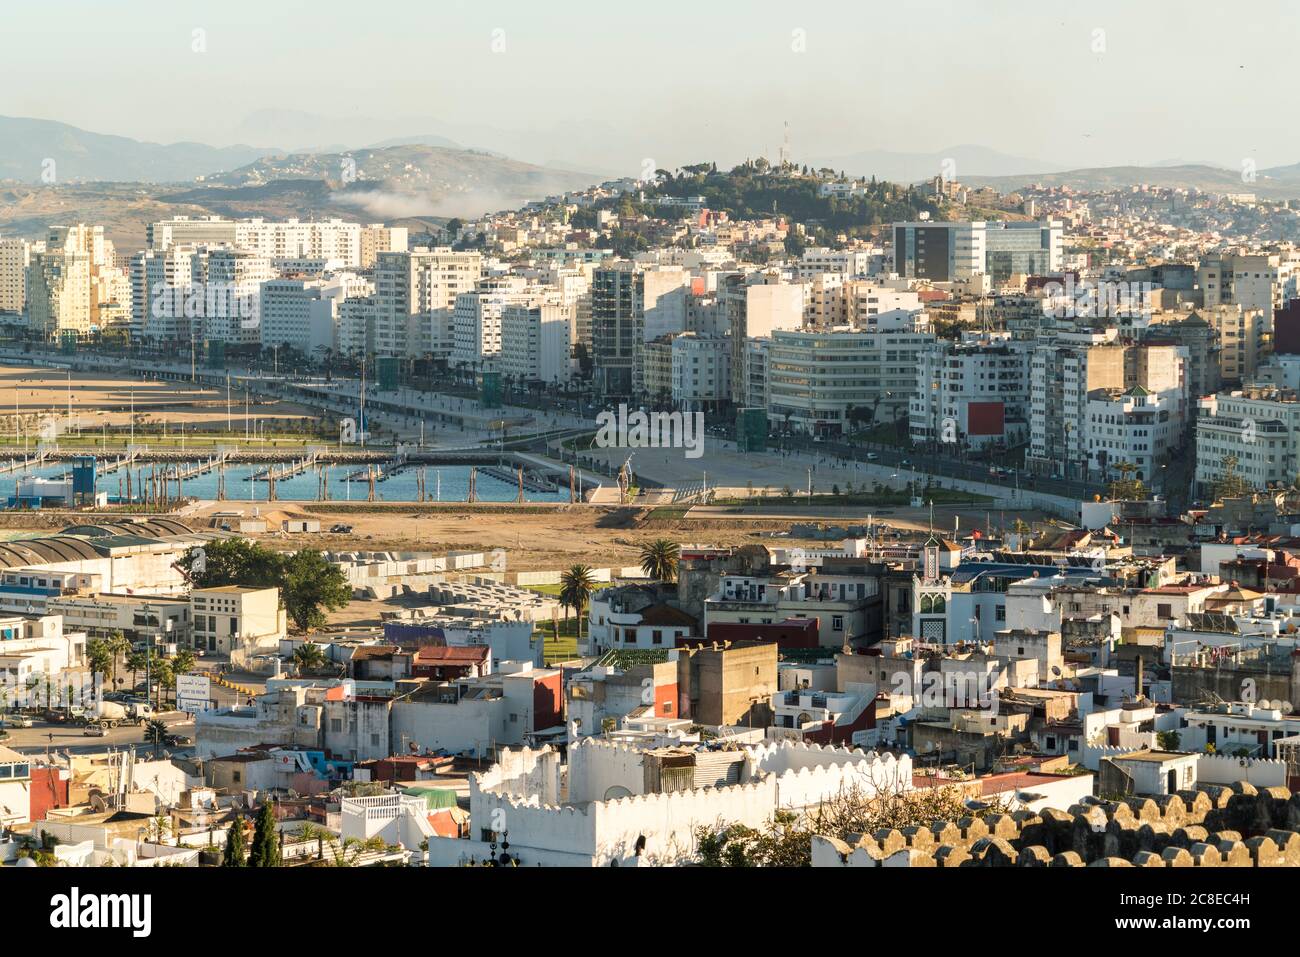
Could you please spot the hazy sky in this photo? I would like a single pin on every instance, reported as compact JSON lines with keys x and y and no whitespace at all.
{"x":610,"y":82}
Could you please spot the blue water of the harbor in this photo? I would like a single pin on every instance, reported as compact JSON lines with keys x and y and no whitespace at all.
{"x":401,"y":487}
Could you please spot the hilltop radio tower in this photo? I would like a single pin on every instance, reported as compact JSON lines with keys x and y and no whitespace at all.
{"x":785,"y":145}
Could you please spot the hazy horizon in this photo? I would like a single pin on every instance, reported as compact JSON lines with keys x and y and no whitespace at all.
{"x":602,"y":88}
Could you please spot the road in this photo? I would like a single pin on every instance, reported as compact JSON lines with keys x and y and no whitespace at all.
{"x":46,"y":737}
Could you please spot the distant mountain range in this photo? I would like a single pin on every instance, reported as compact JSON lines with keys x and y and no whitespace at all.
{"x":123,"y":182}
{"x":1278,"y":182}
{"x":79,"y":155}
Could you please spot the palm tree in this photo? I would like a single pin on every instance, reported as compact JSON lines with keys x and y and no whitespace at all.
{"x":659,"y":560}
{"x":120,"y":648}
{"x":576,"y":586}
{"x":308,"y":657}
{"x":98,"y":656}
{"x":137,"y":661}
{"x":183,"y":662}
{"x":155,"y":732}
{"x":163,"y":677}
{"x":345,"y":854}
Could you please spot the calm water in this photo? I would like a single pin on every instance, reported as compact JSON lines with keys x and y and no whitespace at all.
{"x":401,"y":487}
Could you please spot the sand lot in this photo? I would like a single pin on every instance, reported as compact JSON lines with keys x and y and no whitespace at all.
{"x":99,"y":398}
{"x":533,"y":539}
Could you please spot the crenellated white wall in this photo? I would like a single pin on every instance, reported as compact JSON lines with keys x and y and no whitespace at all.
{"x":518,"y":796}
{"x":596,"y":765}
{"x":1225,"y":769}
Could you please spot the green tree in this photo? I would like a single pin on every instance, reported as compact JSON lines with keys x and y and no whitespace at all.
{"x":576,"y":586}
{"x":787,"y":839}
{"x":1231,"y":484}
{"x":231,"y":561}
{"x":235,"y":854}
{"x":1126,"y":488}
{"x":265,"y":849}
{"x":659,"y":560}
{"x":309,"y":585}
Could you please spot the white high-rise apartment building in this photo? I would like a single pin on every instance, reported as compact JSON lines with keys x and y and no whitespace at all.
{"x":303,"y":313}
{"x":415,"y":293}
{"x":350,"y":245}
{"x":160,"y":285}
{"x":537,"y":340}
{"x":1134,"y":427}
{"x":815,"y":378}
{"x":15,"y":256}
{"x":476,"y":318}
{"x":356,"y":325}
{"x":1263,"y":281}
{"x":1259,"y":427}
{"x":972,"y":393}
{"x":701,"y":371}
{"x":842,"y":262}
{"x":757,"y":305}
{"x":231,"y":281}
{"x":109,"y":285}
{"x":58,"y":293}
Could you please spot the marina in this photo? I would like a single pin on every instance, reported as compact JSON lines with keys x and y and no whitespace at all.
{"x":300,"y":480}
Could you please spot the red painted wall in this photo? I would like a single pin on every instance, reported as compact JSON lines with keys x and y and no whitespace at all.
{"x":985,"y":418}
{"x":666,"y":701}
{"x":801,"y":633}
{"x":547,"y":703}
{"x":49,"y":791}
{"x":829,"y":733}
{"x":1286,"y":327}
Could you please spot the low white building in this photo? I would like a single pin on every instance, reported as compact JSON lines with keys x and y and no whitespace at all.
{"x":231,"y":616}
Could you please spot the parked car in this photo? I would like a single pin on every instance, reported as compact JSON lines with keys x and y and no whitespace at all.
{"x":341,"y":529}
{"x":20,"y":722}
